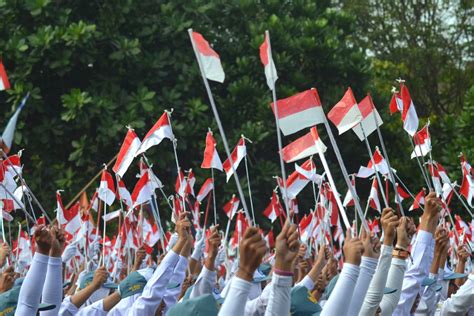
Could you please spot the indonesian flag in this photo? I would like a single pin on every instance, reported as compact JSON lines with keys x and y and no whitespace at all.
{"x":396,"y":103}
{"x":95,"y":200}
{"x":143,"y":191}
{"x":345,"y":114}
{"x":303,"y":147}
{"x":211,"y":157}
{"x":159,"y":131}
{"x":308,"y":170}
{"x":181,"y":184}
{"x":442,"y":173}
{"x":435,"y":178}
{"x":9,"y":131}
{"x":107,"y":188}
{"x":409,"y":116}
{"x":70,"y":220}
{"x":294,"y":184}
{"x":270,"y":240}
{"x":191,"y":181}
{"x":374,"y":225}
{"x":374,"y":196}
{"x":402,"y":194}
{"x":307,"y":225}
{"x":231,"y":207}
{"x":12,"y":164}
{"x":239,"y":152}
{"x":267,"y":61}
{"x":380,"y":163}
{"x":207,"y":187}
{"x":110,"y":216}
{"x":419,"y":201}
{"x":367,"y":110}
{"x":208,"y":58}
{"x":152,"y":233}
{"x":127,"y":152}
{"x":348,"y":199}
{"x":123,"y":194}
{"x":467,"y":185}
{"x":23,"y":248}
{"x":7,"y":205}
{"x":274,"y":209}
{"x":422,"y":141}
{"x":4,"y":83}
{"x":299,"y":111}
{"x":240,"y":228}
{"x":293,"y":206}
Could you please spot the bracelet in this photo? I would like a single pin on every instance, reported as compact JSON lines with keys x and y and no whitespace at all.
{"x":397,"y":246}
{"x":283,"y":272}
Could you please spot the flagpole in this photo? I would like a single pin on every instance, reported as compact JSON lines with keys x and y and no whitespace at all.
{"x":428,"y":183}
{"x":345,"y":174}
{"x":214,"y":197}
{"x":16,"y":200}
{"x":369,"y":150}
{"x":219,"y":125}
{"x":207,"y":210}
{"x":156,"y":215}
{"x":3,"y":227}
{"x":248,"y":183}
{"x":105,"y":226}
{"x":404,"y":186}
{"x":277,"y":123}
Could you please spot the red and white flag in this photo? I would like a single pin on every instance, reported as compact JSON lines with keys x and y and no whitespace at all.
{"x":443,"y":174}
{"x":274,"y":208}
{"x":231,"y":207}
{"x":211,"y":157}
{"x":241,"y":226}
{"x":380,"y":164}
{"x":4,"y":83}
{"x":345,"y":114}
{"x":161,"y":130}
{"x":374,"y":201}
{"x":396,"y":103}
{"x":191,"y":181}
{"x":181,"y":184}
{"x":374,"y":225}
{"x":127,"y":152}
{"x":348,"y":199}
{"x":123,"y":194}
{"x":435,"y":178}
{"x":111,"y":215}
{"x":422,"y":142}
{"x":13,"y":165}
{"x":402,"y":194}
{"x":467,"y":185}
{"x":303,"y":147}
{"x":267,"y":61}
{"x":294,"y":184}
{"x":293,"y":206}
{"x":143,"y":191}
{"x":70,"y":220}
{"x":409,"y":116}
{"x":308,"y":170}
{"x":151,"y":232}
{"x":6,"y":141}
{"x":207,"y":187}
{"x":299,"y":111}
{"x":107,"y":188}
{"x":270,"y":240}
{"x":367,"y":110}
{"x":209,"y":60}
{"x":419,"y":201}
{"x":239,"y":153}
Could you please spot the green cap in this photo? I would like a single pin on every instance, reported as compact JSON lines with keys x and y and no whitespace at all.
{"x":204,"y":305}
{"x":87,"y":279}
{"x":302,"y":302}
{"x":9,"y":302}
{"x":389,"y":290}
{"x":133,"y":284}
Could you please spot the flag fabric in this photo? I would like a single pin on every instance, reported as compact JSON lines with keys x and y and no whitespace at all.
{"x":345,"y":114}
{"x":161,"y":130}
{"x":9,"y":131}
{"x":299,"y":111}
{"x":267,"y":61}
{"x":127,"y":152}
{"x":380,"y":163}
{"x":4,"y":83}
{"x":106,"y":188}
{"x":348,"y":199}
{"x":123,"y":194}
{"x":143,"y":191}
{"x":467,"y":185}
{"x":419,"y":201}
{"x":180,"y":184}
{"x":396,"y":103}
{"x":207,"y":187}
{"x":208,"y":58}
{"x":211,"y":157}
{"x":70,"y":220}
{"x":374,"y":225}
{"x":241,"y":226}
{"x":274,"y":208}
{"x":422,"y":142}
{"x":231,"y":207}
{"x":111,"y":215}
{"x":294,"y":184}
{"x":402,"y":194}
{"x":374,"y":201}
{"x":308,"y":170}
{"x":443,"y":174}
{"x":409,"y":116}
{"x":190,"y":182}
{"x":293,"y":206}
{"x":239,"y":153}
{"x":367,"y":110}
{"x":270,"y":240}
{"x":12,"y":165}
{"x":303,"y":147}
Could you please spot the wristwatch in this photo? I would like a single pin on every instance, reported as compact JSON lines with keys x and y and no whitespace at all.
{"x":400,"y":253}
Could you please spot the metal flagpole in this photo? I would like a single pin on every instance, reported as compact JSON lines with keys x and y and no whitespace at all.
{"x":428,"y":183}
{"x":17,"y":202}
{"x":250,"y":190}
{"x":214,"y":197}
{"x":105,"y":226}
{"x":404,"y":187}
{"x":219,"y":125}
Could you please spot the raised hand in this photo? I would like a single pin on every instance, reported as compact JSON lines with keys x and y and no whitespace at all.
{"x":390,"y":223}
{"x":252,"y":248}
{"x":4,"y":253}
{"x":140,"y":255}
{"x":7,"y":279}
{"x":353,"y":249}
{"x":100,"y":277}
{"x":371,"y":245}
{"x":287,"y":248}
{"x":58,"y":241}
{"x":429,"y":219}
{"x":214,"y":242}
{"x":183,"y":229}
{"x":44,"y":240}
{"x":463,"y":253}
{"x":405,"y":231}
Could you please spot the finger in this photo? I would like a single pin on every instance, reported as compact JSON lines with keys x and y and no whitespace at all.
{"x":348,"y":234}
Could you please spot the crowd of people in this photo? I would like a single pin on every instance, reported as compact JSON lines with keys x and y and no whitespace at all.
{"x":404,"y":271}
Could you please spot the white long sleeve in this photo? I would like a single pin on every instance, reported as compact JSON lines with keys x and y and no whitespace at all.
{"x":461,"y":302}
{"x":53,"y":286}
{"x":148,"y":303}
{"x":428,"y":300}
{"x":279,"y":300}
{"x":67,"y":308}
{"x":307,"y":282}
{"x":258,"y":306}
{"x":394,"y":281}
{"x":204,"y":283}
{"x":337,"y":303}
{"x":236,"y":298}
{"x":95,"y":309}
{"x":367,"y":271}
{"x":31,"y":289}
{"x":422,"y":253}
{"x":377,"y":285}
{"x":179,"y":273}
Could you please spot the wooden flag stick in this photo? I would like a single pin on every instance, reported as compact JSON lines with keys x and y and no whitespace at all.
{"x":214,"y":197}
{"x":219,"y":125}
{"x":425,"y":176}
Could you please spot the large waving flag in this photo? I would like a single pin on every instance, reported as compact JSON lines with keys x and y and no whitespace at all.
{"x":127,"y":152}
{"x":211,"y":157}
{"x":396,"y":103}
{"x":303,"y":147}
{"x":106,"y":188}
{"x":143,"y":190}
{"x":159,"y":131}
{"x":9,"y":131}
{"x":409,"y":116}
{"x":123,"y":194}
{"x":367,"y":110}
{"x":4,"y":83}
{"x":422,"y":142}
{"x":308,"y":170}
{"x":299,"y":111}
{"x":208,"y":58}
{"x":380,"y":164}
{"x":467,"y":185}
{"x":239,"y":152}
{"x":345,"y":114}
{"x":267,"y":61}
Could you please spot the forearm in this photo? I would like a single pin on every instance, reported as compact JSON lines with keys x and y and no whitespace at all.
{"x":179,"y":273}
{"x":395,"y":281}
{"x":110,"y":301}
{"x":53,"y":286}
{"x":460,"y":267}
{"x":367,"y":271}
{"x":83,"y":295}
{"x":236,"y":298}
